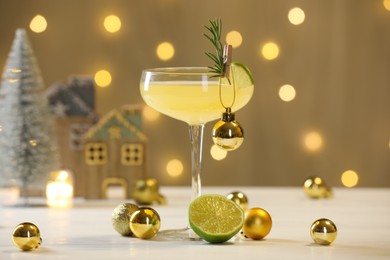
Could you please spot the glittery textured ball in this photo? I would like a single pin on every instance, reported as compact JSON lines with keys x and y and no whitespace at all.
{"x":240,"y":198}
{"x":145,"y":223}
{"x":257,"y":223}
{"x":323,"y":231}
{"x":120,"y":218}
{"x":26,"y":236}
{"x":316,"y":188}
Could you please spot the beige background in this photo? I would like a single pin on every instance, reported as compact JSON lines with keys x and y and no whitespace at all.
{"x":338,"y":60}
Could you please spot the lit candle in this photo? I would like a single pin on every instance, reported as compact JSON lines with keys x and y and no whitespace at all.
{"x":59,"y":189}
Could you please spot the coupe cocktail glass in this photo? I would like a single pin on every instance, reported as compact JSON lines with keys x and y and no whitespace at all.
{"x":191,"y":95}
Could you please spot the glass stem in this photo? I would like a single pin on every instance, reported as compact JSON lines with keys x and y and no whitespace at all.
{"x":196,"y":137}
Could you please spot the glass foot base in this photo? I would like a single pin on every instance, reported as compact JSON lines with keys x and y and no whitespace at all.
{"x":183,"y":234}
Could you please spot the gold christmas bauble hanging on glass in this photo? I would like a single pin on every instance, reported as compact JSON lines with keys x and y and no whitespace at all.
{"x":26,"y":236}
{"x":228,"y":133}
{"x":323,"y":231}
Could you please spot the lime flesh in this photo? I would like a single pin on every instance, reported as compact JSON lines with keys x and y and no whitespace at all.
{"x":215,"y":218}
{"x":241,"y":74}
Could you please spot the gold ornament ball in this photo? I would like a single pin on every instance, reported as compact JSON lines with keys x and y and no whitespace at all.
{"x":257,"y":223}
{"x":145,"y":223}
{"x":228,"y":133}
{"x":26,"y":236}
{"x":316,"y":188}
{"x":240,"y":198}
{"x":120,"y":218}
{"x":323,"y":231}
{"x":146,"y":191}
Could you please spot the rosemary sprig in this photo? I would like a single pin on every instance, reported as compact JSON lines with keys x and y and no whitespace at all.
{"x":215,"y":30}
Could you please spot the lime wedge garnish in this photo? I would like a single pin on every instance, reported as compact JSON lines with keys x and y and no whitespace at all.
{"x":239,"y":75}
{"x":242,"y":76}
{"x":215,"y":218}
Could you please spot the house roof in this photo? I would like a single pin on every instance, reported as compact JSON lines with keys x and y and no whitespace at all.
{"x":124,"y":122}
{"x":77,"y":98}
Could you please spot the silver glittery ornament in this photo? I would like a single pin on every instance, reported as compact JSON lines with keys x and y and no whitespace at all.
{"x":120,"y":218}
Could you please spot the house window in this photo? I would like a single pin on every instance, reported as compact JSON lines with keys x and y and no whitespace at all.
{"x":76,"y":135}
{"x":95,"y":153}
{"x":132,"y":154}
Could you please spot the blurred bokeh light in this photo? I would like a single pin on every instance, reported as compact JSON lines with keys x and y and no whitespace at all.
{"x":38,"y":24}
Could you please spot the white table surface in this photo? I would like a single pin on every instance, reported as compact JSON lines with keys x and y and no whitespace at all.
{"x":362,"y":217}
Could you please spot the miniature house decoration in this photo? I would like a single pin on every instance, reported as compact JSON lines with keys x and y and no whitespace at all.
{"x":73,"y":105}
{"x":114,"y":152}
{"x":101,"y":153}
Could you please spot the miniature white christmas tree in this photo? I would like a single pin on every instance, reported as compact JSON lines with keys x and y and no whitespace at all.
{"x":27,"y":141}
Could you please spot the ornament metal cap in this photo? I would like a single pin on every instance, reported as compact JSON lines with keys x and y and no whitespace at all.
{"x":228,"y":116}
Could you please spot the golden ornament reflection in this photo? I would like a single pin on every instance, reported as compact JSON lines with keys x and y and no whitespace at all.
{"x":257,"y":223}
{"x":33,"y":142}
{"x":323,"y":231}
{"x":146,"y":192}
{"x":145,"y":223}
{"x":316,"y":188}
{"x":239,"y":198}
{"x":26,"y":236}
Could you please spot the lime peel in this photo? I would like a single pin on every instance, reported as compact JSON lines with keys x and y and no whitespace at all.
{"x":215,"y":218}
{"x":243,"y":71}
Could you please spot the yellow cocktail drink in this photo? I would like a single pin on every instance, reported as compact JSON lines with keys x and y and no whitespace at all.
{"x":195,"y":103}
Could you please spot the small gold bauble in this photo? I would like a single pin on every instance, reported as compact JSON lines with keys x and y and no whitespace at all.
{"x":145,"y":223}
{"x":323,"y":231}
{"x":257,"y":223}
{"x":316,"y":188}
{"x":240,"y":198}
{"x":26,"y":236}
{"x":120,"y":218}
{"x":146,"y":191}
{"x":228,"y":133}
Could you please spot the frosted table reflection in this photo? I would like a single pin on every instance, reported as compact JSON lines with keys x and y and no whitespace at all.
{"x":85,"y":231}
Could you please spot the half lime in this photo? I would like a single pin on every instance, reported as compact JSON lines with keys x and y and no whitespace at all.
{"x":215,"y":218}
